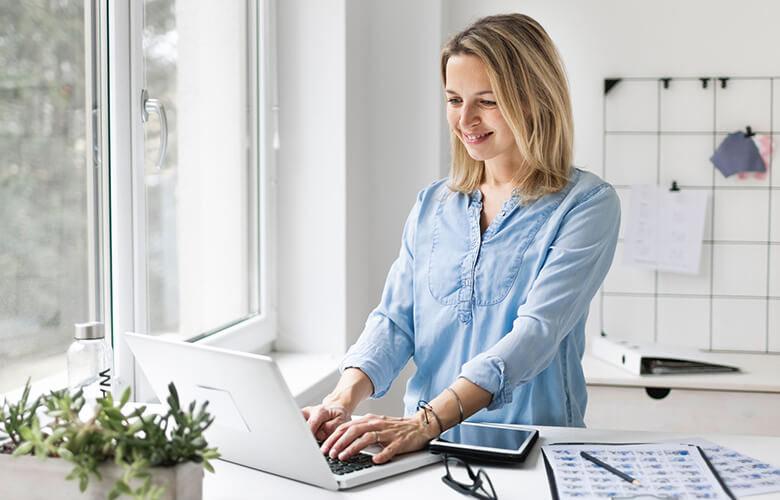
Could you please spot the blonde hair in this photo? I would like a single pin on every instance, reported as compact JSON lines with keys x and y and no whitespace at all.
{"x":527,"y":77}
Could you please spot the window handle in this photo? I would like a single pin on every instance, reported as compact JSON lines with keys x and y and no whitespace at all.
{"x":156,"y":106}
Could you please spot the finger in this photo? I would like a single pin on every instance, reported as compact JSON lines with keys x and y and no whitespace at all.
{"x":327,"y":427}
{"x":316,"y":418}
{"x":366,"y":439}
{"x":398,"y":446}
{"x":386,"y":454}
{"x":334,"y":437}
{"x":306,"y":410}
{"x":349,"y":434}
{"x":330,"y":426}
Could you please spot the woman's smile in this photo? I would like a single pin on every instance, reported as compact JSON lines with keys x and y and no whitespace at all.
{"x":476,"y":138}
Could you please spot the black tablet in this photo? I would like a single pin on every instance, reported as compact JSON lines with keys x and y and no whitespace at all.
{"x":491,"y":442}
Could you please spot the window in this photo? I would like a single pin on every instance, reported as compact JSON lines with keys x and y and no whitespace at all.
{"x":45,"y":269}
{"x":200,"y":226}
{"x":133,"y":177}
{"x":189,"y":238}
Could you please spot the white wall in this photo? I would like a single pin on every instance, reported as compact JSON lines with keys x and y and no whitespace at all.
{"x":311,"y":231}
{"x":360,"y":114}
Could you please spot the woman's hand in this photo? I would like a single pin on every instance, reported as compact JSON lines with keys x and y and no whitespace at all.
{"x":395,"y":435}
{"x":324,"y":418}
{"x":353,"y":387}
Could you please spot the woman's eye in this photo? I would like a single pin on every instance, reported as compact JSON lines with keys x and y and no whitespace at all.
{"x":453,"y":100}
{"x":489,"y":103}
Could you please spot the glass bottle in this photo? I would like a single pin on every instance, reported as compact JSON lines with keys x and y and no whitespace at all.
{"x":90,"y":362}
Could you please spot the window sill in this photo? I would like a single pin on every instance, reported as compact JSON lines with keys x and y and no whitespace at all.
{"x":309,"y":376}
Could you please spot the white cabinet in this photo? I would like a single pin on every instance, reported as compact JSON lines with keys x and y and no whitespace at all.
{"x":744,"y":403}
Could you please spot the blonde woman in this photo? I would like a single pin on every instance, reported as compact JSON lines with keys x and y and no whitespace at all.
{"x":498,"y":263}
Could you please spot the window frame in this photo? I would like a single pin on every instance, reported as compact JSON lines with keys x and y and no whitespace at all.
{"x":126,"y":289}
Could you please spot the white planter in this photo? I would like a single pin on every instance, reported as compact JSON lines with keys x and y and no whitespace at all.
{"x":27,"y":478}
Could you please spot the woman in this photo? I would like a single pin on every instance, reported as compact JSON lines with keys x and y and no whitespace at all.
{"x":498,"y":264}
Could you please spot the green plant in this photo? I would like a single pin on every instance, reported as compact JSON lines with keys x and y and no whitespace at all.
{"x":133,"y":441}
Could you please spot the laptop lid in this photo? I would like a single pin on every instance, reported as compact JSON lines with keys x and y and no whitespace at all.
{"x":257,"y":421}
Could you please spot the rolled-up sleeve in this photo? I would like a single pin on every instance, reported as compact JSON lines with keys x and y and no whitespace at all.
{"x":387,"y":340}
{"x":576,"y":264}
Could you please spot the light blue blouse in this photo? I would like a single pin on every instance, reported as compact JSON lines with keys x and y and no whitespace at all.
{"x":505,"y":309}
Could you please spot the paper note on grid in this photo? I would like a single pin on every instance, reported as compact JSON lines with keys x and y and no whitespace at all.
{"x":745,"y":476}
{"x":665,"y":228}
{"x":664,"y":470}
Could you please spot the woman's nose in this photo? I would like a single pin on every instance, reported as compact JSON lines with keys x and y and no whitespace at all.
{"x":469,"y":116}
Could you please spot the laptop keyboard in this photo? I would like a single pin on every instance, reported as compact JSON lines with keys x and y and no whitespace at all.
{"x":353,"y":464}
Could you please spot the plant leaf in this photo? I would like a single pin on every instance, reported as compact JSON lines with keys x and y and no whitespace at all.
{"x":23,"y":449}
{"x":123,"y":487}
{"x":26,"y":433}
{"x":125,"y":397}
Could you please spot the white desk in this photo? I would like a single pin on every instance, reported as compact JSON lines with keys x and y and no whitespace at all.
{"x":526,"y":481}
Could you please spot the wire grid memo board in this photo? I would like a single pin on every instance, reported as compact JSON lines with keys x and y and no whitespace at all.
{"x":664,"y":130}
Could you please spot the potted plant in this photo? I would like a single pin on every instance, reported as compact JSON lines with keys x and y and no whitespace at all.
{"x":125,"y":452}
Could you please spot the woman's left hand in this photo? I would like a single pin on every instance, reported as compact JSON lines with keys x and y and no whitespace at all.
{"x":395,"y":435}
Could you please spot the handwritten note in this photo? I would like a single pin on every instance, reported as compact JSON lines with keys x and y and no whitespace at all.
{"x":665,"y":229}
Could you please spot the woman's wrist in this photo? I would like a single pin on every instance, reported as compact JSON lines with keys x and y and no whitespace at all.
{"x":353,"y":387}
{"x":341,"y":400}
{"x":427,"y":426}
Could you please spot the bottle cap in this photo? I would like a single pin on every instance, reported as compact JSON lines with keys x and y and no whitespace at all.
{"x":89,"y":331}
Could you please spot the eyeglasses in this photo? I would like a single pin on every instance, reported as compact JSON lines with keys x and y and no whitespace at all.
{"x":461,"y":478}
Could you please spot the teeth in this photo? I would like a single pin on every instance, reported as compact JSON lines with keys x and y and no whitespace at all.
{"x":475,"y":137}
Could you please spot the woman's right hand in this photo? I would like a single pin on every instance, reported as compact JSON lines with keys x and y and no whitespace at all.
{"x":336,"y":408}
{"x":324,"y":418}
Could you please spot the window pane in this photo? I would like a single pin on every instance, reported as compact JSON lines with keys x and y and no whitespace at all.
{"x":201,"y":266}
{"x":43,"y":187}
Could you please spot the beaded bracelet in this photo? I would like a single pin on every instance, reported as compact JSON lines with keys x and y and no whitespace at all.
{"x":460,"y":405}
{"x":425,"y":407}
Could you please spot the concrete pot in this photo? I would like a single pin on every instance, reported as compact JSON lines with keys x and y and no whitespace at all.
{"x":28,"y":478}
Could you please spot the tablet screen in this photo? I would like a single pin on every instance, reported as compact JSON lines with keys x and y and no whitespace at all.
{"x":491,"y":437}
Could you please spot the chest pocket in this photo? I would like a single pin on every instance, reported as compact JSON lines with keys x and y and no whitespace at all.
{"x":463,"y":268}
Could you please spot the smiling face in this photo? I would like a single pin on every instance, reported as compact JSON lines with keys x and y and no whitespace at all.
{"x":473,"y":113}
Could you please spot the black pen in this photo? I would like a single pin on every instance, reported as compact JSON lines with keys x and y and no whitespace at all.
{"x":611,"y":469}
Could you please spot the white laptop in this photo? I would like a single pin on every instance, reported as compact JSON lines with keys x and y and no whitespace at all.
{"x":257,"y":421}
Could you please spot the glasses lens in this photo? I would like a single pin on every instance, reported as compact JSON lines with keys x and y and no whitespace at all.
{"x":459,"y":472}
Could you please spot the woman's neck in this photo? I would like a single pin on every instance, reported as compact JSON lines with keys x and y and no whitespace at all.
{"x":499,"y":175}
